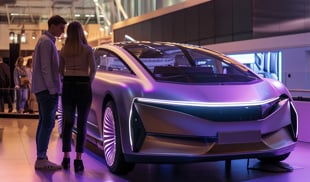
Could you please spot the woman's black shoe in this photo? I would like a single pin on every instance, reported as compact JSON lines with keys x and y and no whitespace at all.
{"x":78,"y":165}
{"x":65,"y":163}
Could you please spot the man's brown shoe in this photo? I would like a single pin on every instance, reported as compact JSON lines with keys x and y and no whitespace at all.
{"x":45,"y":164}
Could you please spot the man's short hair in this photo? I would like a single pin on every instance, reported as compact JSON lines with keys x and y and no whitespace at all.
{"x":56,"y":20}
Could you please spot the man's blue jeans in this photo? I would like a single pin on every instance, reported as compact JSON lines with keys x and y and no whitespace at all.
{"x":47,"y":114}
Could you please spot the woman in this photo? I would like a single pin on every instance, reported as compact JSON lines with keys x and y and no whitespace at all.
{"x":77,"y":67}
{"x":21,"y":84}
{"x":31,"y":96}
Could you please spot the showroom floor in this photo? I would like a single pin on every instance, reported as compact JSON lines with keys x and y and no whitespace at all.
{"x":17,"y":156}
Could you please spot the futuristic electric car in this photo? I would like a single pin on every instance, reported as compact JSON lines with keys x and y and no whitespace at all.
{"x":159,"y":102}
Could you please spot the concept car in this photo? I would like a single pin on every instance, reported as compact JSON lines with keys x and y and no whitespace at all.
{"x":160,"y":102}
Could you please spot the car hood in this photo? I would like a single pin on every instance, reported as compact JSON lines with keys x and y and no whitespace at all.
{"x":262,"y":90}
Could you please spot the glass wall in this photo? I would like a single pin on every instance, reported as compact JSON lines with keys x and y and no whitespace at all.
{"x":110,"y":12}
{"x":139,"y":7}
{"x":267,"y":64}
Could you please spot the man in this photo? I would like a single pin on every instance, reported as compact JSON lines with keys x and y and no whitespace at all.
{"x":5,"y":80}
{"x":46,"y":87}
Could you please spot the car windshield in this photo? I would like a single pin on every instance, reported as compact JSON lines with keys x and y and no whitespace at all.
{"x":189,"y":64}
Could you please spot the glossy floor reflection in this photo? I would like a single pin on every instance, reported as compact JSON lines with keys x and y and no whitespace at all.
{"x":17,"y":156}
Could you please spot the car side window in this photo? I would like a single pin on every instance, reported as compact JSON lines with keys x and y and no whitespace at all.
{"x":109,"y":61}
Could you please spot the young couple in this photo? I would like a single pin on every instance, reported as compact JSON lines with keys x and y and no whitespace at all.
{"x":73,"y":70}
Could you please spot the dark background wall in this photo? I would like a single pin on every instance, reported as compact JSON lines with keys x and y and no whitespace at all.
{"x":280,"y":17}
{"x":224,"y":21}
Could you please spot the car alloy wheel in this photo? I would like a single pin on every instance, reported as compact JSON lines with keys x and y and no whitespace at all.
{"x":109,"y":138}
{"x":112,"y":142}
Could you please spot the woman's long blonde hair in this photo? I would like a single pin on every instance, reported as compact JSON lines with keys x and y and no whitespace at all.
{"x":19,"y":60}
{"x":75,"y":39}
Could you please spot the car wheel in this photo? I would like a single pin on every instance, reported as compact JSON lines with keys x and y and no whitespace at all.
{"x":59,"y":116}
{"x":275,"y":158}
{"x":112,"y":142}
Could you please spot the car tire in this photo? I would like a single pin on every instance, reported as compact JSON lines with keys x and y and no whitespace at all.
{"x":59,"y":117}
{"x":274,"y":158}
{"x":112,"y":142}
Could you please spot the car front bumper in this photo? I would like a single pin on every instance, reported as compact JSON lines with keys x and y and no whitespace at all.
{"x":165,"y":134}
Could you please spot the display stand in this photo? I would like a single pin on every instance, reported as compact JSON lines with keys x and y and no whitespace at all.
{"x":275,"y":167}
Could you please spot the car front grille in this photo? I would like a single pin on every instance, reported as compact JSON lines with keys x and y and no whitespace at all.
{"x":222,"y":112}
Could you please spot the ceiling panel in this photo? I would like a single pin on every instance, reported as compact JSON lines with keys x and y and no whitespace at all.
{"x":36,"y":11}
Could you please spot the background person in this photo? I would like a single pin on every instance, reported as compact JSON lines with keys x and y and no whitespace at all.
{"x":31,"y":97}
{"x":77,"y":66}
{"x":21,"y":84}
{"x":46,"y":86}
{"x":5,"y":80}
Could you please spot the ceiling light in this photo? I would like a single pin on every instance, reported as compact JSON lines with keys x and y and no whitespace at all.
{"x":11,"y":36}
{"x":23,"y":38}
{"x":34,"y":35}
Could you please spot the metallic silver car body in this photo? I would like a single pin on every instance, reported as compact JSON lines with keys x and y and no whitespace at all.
{"x":173,"y":122}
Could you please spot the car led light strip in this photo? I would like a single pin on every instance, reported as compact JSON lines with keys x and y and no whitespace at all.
{"x":205,"y":104}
